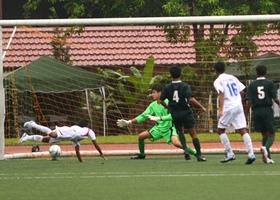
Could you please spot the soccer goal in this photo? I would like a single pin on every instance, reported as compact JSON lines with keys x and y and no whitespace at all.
{"x":57,"y":72}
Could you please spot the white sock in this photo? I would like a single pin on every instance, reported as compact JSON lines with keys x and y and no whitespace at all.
{"x":41,"y":128}
{"x":225,"y":141}
{"x":34,"y":138}
{"x":248,"y":143}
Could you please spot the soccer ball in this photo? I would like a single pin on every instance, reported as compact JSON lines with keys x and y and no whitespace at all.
{"x":55,"y":151}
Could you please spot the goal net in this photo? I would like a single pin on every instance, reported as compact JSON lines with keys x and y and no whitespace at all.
{"x":58,"y":75}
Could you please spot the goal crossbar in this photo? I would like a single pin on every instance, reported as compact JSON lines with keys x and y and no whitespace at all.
{"x":114,"y":21}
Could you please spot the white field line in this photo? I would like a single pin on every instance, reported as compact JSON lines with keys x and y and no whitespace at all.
{"x":125,"y":152}
{"x":128,"y":175}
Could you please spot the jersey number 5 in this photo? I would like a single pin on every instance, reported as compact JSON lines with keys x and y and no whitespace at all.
{"x":261,"y":93}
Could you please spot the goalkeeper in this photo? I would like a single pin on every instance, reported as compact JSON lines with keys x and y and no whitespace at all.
{"x":162,"y":129}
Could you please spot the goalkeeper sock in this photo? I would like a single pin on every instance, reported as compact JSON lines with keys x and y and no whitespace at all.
{"x":191,"y":151}
{"x":41,"y":128}
{"x":182,"y":140}
{"x":141,"y":145}
{"x":197,"y":146}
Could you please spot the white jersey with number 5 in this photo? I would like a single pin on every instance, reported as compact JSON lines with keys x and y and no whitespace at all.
{"x":231,"y":87}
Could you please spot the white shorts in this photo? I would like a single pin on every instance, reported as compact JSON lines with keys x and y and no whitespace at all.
{"x":235,"y":116}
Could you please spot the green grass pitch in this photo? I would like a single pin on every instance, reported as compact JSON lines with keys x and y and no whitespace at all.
{"x":156,"y":177}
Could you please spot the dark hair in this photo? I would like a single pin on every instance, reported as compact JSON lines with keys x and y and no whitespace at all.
{"x":261,"y":70}
{"x":175,"y":71}
{"x":220,"y":67}
{"x":158,"y":88}
{"x":83,"y":123}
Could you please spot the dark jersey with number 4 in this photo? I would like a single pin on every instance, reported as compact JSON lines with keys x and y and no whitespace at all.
{"x":178,"y":94}
{"x":261,"y":92}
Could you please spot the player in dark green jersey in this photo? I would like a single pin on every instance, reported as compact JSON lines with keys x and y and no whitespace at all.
{"x":162,"y":129}
{"x":180,"y":98}
{"x":260,"y":95}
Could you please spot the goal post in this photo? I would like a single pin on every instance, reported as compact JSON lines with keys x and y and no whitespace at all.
{"x":123,"y":22}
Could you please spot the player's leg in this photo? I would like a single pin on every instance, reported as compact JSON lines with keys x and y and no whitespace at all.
{"x":269,"y":127}
{"x":141,"y":145}
{"x":239,"y":123}
{"x":35,"y":138}
{"x":196,"y":144}
{"x":176,"y":142}
{"x":32,"y":124}
{"x":223,"y":123}
{"x":189,"y":123}
{"x":267,"y":142}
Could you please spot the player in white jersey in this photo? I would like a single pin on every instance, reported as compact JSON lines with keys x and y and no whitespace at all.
{"x":231,"y":111}
{"x":74,"y":133}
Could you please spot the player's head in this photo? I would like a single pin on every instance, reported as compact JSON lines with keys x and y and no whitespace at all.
{"x":83,"y":123}
{"x":220,"y":67}
{"x":175,"y":71}
{"x":261,"y":70}
{"x":158,"y":88}
{"x":156,"y":91}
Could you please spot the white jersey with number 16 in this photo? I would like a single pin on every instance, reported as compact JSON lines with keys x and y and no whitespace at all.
{"x":231,"y":87}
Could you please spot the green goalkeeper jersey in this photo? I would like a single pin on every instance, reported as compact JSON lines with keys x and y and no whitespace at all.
{"x":158,"y":110}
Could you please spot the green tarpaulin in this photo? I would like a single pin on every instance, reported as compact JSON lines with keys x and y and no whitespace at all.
{"x":47,"y":74}
{"x":270,"y":60}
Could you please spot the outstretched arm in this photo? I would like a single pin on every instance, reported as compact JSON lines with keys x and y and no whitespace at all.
{"x":98,"y":149}
{"x":78,"y":154}
{"x":195,"y":102}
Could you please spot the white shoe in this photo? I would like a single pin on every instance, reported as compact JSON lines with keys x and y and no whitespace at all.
{"x":264,"y":154}
{"x":28,"y":124}
{"x":269,"y":161}
{"x":22,"y":139}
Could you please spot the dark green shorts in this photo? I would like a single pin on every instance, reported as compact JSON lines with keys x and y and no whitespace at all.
{"x":183,"y":118}
{"x":264,"y":119}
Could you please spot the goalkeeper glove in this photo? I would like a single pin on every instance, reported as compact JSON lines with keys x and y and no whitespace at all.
{"x":122,"y":122}
{"x":154,"y":118}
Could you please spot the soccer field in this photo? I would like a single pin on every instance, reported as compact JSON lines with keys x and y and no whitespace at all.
{"x":156,"y":177}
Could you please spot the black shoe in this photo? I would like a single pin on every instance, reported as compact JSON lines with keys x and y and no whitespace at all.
{"x":137,"y":156}
{"x":200,"y":158}
{"x":250,"y":160}
{"x":226,"y":159}
{"x":187,"y":155}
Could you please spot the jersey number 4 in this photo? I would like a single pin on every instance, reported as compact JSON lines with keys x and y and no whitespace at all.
{"x":176,"y":96}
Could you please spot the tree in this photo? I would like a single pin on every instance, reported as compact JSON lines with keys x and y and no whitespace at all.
{"x":207,"y":49}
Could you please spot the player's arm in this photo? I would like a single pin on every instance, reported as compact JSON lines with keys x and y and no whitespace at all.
{"x":139,"y":119}
{"x":78,"y":154}
{"x":221,"y":100}
{"x":247,"y":109}
{"x":196,"y":103}
{"x":167,"y":117}
{"x":98,"y":149}
{"x":276,"y":100}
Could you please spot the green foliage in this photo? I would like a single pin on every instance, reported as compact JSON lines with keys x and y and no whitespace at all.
{"x":132,"y":88}
{"x":207,"y":48}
